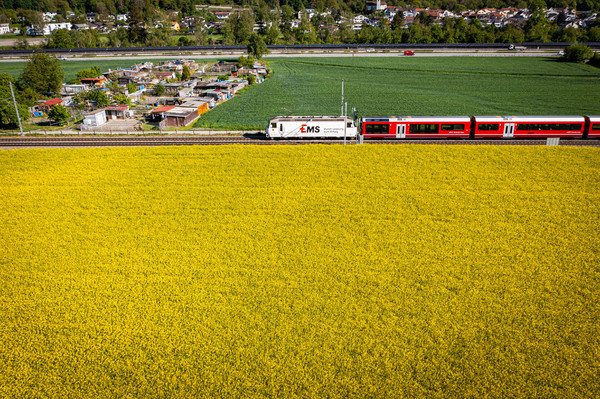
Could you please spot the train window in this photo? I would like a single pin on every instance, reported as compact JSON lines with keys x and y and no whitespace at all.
{"x":453,"y":126}
{"x":596,"y":126}
{"x":549,"y":126}
{"x":422,"y":128}
{"x":274,"y":125}
{"x":489,"y":126}
{"x":349,"y":124}
{"x":377,"y":128}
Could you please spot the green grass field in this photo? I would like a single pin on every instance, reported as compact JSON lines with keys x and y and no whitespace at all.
{"x":414,"y":86}
{"x":300,"y":271}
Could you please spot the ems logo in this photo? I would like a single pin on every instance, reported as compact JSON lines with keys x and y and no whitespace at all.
{"x":309,"y":129}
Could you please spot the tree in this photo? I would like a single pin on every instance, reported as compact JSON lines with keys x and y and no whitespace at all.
{"x":43,"y":73}
{"x":98,"y":96}
{"x":595,"y":60}
{"x":94,"y":72}
{"x":398,"y":21}
{"x":159,"y":89}
{"x":59,"y":114}
{"x":239,"y":27}
{"x":186,"y":74}
{"x":256,"y":46}
{"x":8,"y":115}
{"x":122,"y":99}
{"x":577,"y":53}
{"x":131,"y":88}
{"x":60,"y":38}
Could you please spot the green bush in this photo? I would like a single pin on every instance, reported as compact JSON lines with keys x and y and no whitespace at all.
{"x":577,"y":53}
{"x":595,"y":60}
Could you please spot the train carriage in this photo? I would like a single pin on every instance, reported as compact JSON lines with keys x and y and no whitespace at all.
{"x":416,"y":127}
{"x":311,"y":127}
{"x":509,"y":127}
{"x":594,"y":126}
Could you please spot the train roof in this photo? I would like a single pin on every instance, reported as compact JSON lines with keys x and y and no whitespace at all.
{"x":538,"y":118}
{"x":416,"y":119}
{"x":594,"y":118}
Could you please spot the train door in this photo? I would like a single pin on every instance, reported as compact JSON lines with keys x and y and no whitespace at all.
{"x":509,"y":130}
{"x":400,"y":131}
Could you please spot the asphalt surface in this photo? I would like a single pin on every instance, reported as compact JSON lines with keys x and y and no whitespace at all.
{"x":288,"y":53}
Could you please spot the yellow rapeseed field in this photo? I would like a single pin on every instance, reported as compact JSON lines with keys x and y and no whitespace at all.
{"x":300,"y":271}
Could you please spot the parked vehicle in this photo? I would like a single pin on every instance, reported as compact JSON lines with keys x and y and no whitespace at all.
{"x":409,"y":52}
{"x":516,"y":47}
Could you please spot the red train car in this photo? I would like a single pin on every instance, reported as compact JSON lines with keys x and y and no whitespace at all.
{"x":528,"y":126}
{"x":416,"y":127}
{"x":594,"y":126}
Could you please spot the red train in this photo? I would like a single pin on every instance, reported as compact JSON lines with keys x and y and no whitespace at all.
{"x":476,"y":127}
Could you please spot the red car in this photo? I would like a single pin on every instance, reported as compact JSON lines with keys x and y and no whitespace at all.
{"x":408,"y":52}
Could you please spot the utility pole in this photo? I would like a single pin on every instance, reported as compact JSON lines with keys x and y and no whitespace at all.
{"x":342,"y":110}
{"x":16,"y":108}
{"x":345,"y":120}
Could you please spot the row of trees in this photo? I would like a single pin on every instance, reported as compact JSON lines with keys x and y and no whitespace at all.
{"x":239,"y":30}
{"x":145,"y":8}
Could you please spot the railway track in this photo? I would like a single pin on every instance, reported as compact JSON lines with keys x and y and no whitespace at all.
{"x":255,"y":139}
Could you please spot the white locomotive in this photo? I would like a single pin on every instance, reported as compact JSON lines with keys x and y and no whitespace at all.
{"x":311,"y":127}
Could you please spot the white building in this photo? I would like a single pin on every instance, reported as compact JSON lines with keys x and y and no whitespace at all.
{"x":48,"y":28}
{"x":74,"y":89}
{"x":48,"y":16}
{"x":4,"y":29}
{"x":96,"y":118}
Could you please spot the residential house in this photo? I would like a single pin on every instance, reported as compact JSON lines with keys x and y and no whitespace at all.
{"x":94,"y":82}
{"x":173,"y":88}
{"x":376,"y":5}
{"x":158,"y":114}
{"x":95,"y":118}
{"x":165,"y":75}
{"x":180,"y":116}
{"x":49,"y":16}
{"x":4,"y":29}
{"x":81,"y":26}
{"x":46,"y":106}
{"x":126,"y":79}
{"x":74,"y":89}
{"x":117,"y":111}
{"x":48,"y":28}
{"x":222,"y":14}
{"x":201,"y":105}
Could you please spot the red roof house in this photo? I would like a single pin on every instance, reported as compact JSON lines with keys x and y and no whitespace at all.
{"x":47,"y":105}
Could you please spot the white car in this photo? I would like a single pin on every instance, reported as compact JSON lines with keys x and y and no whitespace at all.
{"x":62,"y":58}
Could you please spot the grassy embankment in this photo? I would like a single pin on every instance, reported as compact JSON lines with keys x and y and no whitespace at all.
{"x":312,"y":271}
